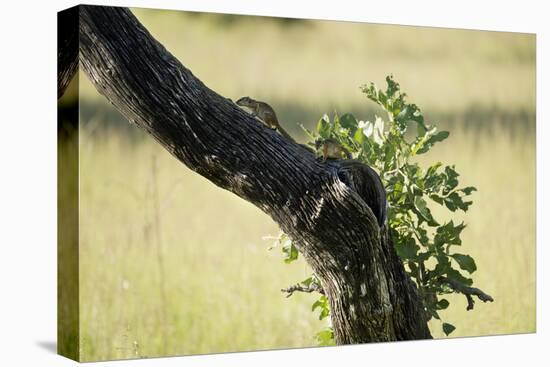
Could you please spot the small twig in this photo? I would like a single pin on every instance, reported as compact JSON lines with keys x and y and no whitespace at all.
{"x":467,"y":291}
{"x":313,"y":287}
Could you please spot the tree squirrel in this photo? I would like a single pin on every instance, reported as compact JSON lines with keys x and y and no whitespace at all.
{"x":265,"y":113}
{"x":331,"y":149}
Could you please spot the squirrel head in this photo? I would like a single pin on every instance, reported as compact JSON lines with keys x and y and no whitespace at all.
{"x":245,"y":101}
{"x":319,"y":143}
{"x":325,"y":142}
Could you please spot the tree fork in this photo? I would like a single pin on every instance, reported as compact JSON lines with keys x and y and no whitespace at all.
{"x":370,"y":295}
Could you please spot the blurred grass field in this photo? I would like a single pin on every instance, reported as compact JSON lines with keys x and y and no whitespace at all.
{"x":170,"y":264}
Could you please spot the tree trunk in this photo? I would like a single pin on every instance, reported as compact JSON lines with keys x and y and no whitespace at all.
{"x":371,"y":297}
{"x":67,"y":48}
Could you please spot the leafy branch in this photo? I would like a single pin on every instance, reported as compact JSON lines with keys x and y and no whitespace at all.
{"x":426,"y":245}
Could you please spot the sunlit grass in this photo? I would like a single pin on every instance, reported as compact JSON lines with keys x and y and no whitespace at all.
{"x":500,"y":232}
{"x":216,"y":286}
{"x":207,"y":284}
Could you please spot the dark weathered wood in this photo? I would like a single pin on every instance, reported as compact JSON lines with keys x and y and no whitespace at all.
{"x":67,"y":48}
{"x":370,"y":295}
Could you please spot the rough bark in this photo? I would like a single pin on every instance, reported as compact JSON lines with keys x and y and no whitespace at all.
{"x":370,"y":295}
{"x":67,"y":48}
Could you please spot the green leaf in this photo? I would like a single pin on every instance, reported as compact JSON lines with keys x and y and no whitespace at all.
{"x":421,"y":141}
{"x":371,"y":91}
{"x":442,"y":304}
{"x":448,"y":234}
{"x":433,"y":313}
{"x":393,"y":86}
{"x":349,"y":121}
{"x":452,"y":179}
{"x":378,"y":133}
{"x":422,"y":208}
{"x":454,"y":202}
{"x":402,"y":115}
{"x":423,"y":256}
{"x":323,"y":127}
{"x":438,"y":199}
{"x":440,"y":136}
{"x":448,"y":328}
{"x":316,"y":304}
{"x":358,"y":136}
{"x":407,"y":248}
{"x":455,"y":275}
{"x":432,"y":170}
{"x":321,"y":303}
{"x":290,"y":252}
{"x":468,"y":190}
{"x":335,"y":126}
{"x":421,"y":128}
{"x":388,"y":157}
{"x":382,"y":99}
{"x":325,"y":337}
{"x":306,"y":282}
{"x":466,"y":262}
{"x":442,"y":267}
{"x":311,"y":280}
{"x":424,"y":142}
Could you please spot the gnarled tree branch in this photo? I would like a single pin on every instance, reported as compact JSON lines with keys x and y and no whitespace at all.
{"x":313,"y":287}
{"x":466,"y":291}
{"x":370,"y":295}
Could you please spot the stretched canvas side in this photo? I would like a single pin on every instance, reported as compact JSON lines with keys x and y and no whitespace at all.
{"x":68,"y":330}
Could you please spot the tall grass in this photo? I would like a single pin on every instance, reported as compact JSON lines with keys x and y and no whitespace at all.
{"x":221,"y":287}
{"x":217,"y":288}
{"x":171,"y":264}
{"x":500,"y":231}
